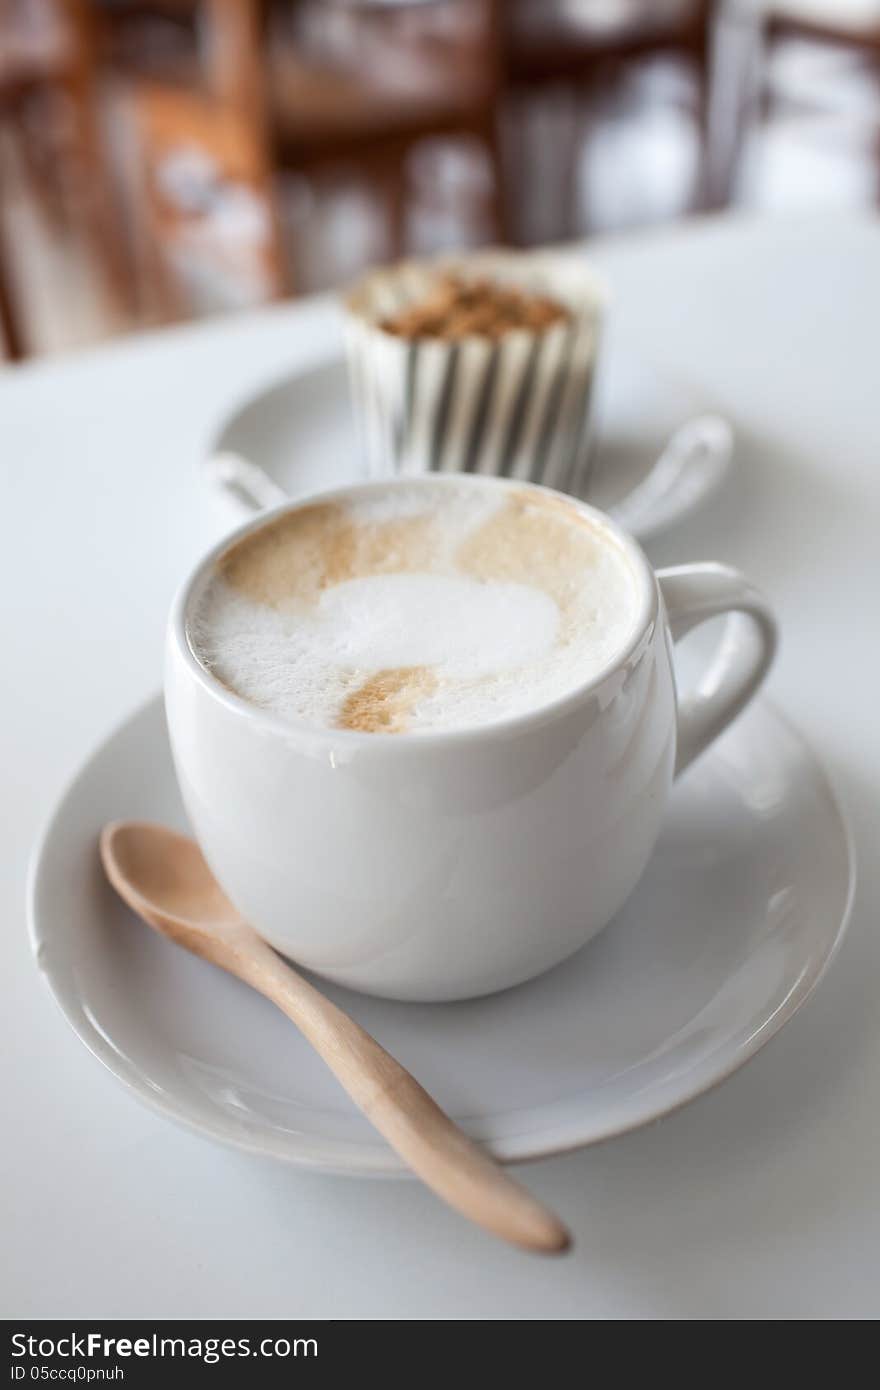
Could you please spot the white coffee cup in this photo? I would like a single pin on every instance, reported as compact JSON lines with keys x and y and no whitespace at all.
{"x":441,"y":866}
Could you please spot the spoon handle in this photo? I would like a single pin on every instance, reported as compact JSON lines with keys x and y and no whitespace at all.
{"x":450,"y":1163}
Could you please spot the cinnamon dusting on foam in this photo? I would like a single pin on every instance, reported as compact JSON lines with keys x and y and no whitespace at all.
{"x":383,"y":703}
{"x":535,"y":539}
{"x":292,"y":560}
{"x":531,"y":539}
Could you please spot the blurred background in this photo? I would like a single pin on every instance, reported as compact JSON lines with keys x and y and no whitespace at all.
{"x":165,"y":161}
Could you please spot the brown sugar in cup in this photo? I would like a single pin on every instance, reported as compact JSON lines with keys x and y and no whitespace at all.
{"x":480,"y":363}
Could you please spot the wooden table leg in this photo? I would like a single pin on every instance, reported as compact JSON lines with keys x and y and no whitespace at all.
{"x":13,"y":340}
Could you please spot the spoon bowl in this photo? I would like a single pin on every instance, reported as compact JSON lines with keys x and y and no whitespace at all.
{"x":152,"y":866}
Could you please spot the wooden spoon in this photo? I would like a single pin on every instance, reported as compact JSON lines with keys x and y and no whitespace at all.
{"x":164,"y":879}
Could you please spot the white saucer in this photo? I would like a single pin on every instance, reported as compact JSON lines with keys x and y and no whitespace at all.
{"x":740,"y":912}
{"x":301,"y":432}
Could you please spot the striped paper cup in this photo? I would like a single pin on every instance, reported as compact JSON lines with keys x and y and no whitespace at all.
{"x":516,"y":406}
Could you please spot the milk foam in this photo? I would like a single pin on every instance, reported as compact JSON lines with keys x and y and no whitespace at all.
{"x":421,"y":609}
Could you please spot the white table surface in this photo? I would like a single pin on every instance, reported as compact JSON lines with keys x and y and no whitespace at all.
{"x":760,"y":1199}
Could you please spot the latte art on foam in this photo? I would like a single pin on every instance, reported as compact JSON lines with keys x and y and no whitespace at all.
{"x":424,"y":607}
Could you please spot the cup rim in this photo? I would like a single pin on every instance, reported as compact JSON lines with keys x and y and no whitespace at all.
{"x":354,"y":739}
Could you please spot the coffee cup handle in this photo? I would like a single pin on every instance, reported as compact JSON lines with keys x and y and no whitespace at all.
{"x":692,"y":594}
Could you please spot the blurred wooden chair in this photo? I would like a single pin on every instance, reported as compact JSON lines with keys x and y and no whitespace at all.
{"x":12,"y":334}
{"x":204,"y":204}
{"x":587,"y":44}
{"x":317,"y":87}
{"x":48,"y":100}
{"x":842,"y":26}
{"x":848,"y":23}
{"x":149,"y":38}
{"x":853,"y":25}
{"x":201,"y":178}
{"x":357,"y":84}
